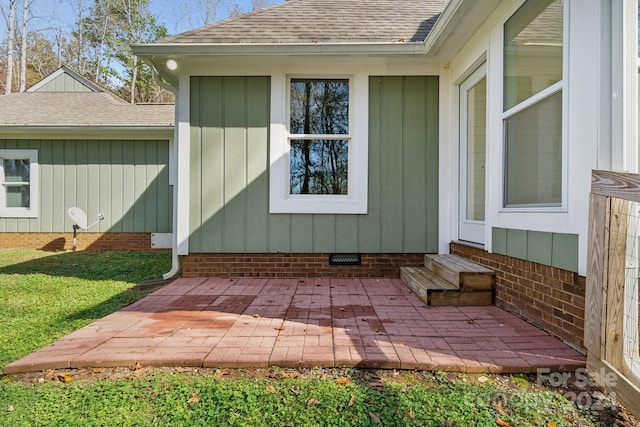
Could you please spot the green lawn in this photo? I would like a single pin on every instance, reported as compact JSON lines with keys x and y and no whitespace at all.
{"x":43,"y":296}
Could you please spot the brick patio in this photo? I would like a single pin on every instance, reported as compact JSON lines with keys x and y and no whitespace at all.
{"x":259,"y":323}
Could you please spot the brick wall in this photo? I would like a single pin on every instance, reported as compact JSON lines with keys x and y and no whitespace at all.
{"x":551,"y":298}
{"x":294,"y":265}
{"x":64,"y":241}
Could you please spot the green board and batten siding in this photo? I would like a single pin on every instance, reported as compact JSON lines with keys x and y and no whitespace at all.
{"x":229,"y":200}
{"x":64,"y":83}
{"x":555,"y":249}
{"x":126,"y":180}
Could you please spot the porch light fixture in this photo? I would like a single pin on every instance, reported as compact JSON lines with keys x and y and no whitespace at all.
{"x":172,"y":64}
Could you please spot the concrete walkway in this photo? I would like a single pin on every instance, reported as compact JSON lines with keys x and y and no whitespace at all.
{"x":368,"y":323}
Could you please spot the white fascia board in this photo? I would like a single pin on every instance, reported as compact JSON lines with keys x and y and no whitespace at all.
{"x":253,"y":49}
{"x":86,"y":132}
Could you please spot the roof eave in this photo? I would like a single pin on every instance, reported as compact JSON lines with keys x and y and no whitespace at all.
{"x":86,"y":131}
{"x":269,"y":49}
{"x":455,"y":26}
{"x":452,"y":30}
{"x":157,"y":54}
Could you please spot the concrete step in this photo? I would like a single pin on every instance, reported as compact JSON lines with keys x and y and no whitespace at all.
{"x":461,"y":272}
{"x":434,"y":290}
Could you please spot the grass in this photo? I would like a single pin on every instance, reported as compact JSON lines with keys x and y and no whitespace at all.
{"x":44,"y":296}
{"x":320,"y":397}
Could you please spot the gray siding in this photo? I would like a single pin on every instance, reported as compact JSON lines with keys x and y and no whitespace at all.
{"x":230,"y":168}
{"x":64,"y":83}
{"x":126,"y":180}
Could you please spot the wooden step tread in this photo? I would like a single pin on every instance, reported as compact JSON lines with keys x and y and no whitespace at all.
{"x":433,"y":290}
{"x":460,"y":271}
{"x":459,"y":264}
{"x":426,"y":279}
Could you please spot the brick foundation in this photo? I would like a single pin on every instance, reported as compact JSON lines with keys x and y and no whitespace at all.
{"x":64,"y":241}
{"x":550,"y":298}
{"x":294,"y":265}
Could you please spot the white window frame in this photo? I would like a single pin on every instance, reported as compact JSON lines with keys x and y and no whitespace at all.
{"x":32,"y":211}
{"x":355,"y":201}
{"x":529,"y":102}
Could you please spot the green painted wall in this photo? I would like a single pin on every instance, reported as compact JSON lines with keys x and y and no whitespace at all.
{"x":230,"y":170}
{"x":126,"y":180}
{"x":64,"y":83}
{"x":554,"y":249}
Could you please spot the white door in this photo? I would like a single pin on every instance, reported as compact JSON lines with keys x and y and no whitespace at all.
{"x":473,"y":131}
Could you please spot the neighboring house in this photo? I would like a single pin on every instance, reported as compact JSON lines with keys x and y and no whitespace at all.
{"x":67,"y":142}
{"x":389,"y":129}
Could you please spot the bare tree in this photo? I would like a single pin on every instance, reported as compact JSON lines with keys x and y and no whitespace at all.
{"x":235,"y":10}
{"x":23,"y":45}
{"x":197,"y":13}
{"x":11,"y":36}
{"x":258,"y":4}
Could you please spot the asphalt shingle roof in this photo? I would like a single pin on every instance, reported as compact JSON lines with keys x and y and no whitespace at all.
{"x":80,"y":109}
{"x":323,"y":21}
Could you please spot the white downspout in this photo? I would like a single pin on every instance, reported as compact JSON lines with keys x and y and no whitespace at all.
{"x":175,"y":260}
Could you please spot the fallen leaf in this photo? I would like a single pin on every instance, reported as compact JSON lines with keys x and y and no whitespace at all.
{"x":135,"y":366}
{"x":294,"y":375}
{"x":66,"y":378}
{"x":471,"y":322}
{"x":137,"y":373}
{"x":271,"y":388}
{"x":352,"y":401}
{"x":375,"y":418}
{"x":10,"y":408}
{"x":498,"y":407}
{"x":294,"y":391}
{"x":568,"y":419}
{"x":502,"y":423}
{"x":482,"y":379}
{"x":343,"y":381}
{"x":552,"y":425}
{"x":312,"y":402}
{"x":195,"y":398}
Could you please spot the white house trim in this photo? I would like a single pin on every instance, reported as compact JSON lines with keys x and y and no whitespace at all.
{"x":280,"y":201}
{"x":183,"y":152}
{"x":34,"y":184}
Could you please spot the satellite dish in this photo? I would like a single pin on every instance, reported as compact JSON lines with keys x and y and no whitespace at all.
{"x":78,"y":217}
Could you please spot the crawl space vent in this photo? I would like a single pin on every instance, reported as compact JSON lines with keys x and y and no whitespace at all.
{"x":345,"y":259}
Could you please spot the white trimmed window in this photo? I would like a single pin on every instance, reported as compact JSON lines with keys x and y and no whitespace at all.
{"x":319,"y":165}
{"x":533,"y":64}
{"x":18,"y":183}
